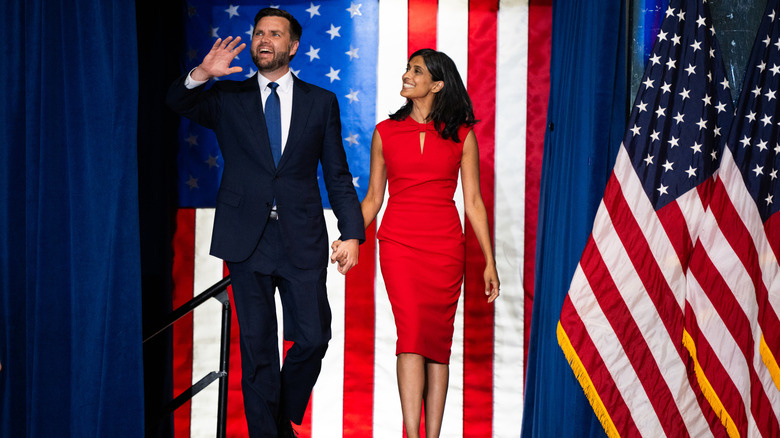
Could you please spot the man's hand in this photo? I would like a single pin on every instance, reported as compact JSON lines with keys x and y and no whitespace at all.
{"x":346,"y":254}
{"x":217,"y":61}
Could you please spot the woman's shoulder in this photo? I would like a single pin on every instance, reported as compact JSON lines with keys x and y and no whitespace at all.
{"x":389,"y":125}
{"x":463,"y":131}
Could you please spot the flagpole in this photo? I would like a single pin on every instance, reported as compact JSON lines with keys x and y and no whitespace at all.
{"x":627,"y":49}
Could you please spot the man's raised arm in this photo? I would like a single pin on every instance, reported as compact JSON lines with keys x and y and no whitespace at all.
{"x":217,"y":61}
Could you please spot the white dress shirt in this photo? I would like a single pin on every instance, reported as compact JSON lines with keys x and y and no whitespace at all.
{"x":285,"y":91}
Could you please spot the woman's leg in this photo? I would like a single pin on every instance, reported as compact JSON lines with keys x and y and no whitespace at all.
{"x":437,"y":380}
{"x":410,"y":368}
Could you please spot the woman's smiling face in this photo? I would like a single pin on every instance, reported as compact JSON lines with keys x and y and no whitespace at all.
{"x":417,"y":80}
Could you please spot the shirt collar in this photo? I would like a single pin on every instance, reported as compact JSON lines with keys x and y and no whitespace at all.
{"x":285,"y":82}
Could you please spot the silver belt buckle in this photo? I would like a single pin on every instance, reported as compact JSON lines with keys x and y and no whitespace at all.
{"x":274,"y":216}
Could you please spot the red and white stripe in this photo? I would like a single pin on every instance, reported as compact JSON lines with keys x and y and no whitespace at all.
{"x":732,"y":302}
{"x":502,"y":52}
{"x":622,"y":322}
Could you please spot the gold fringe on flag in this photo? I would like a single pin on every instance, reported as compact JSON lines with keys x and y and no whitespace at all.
{"x":587,"y":385}
{"x":770,"y":361}
{"x":707,"y":390}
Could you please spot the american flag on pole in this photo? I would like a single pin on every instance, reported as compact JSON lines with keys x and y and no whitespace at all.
{"x":732,"y":303}
{"x":621,"y":326}
{"x":502,"y":52}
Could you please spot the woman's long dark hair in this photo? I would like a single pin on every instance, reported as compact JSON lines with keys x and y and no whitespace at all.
{"x":452,"y":105}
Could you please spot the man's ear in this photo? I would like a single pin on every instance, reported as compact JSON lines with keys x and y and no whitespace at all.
{"x":294,"y":47}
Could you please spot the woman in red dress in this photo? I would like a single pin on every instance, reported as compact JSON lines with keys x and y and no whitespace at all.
{"x":417,"y":154}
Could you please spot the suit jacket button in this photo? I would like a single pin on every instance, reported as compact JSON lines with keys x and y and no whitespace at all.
{"x":267,"y":204}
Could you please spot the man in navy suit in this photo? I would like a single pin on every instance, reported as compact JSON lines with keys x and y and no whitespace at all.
{"x":273,"y":129}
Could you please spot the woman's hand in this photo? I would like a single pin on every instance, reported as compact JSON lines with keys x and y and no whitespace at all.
{"x":491,"y":282}
{"x":345,"y":253}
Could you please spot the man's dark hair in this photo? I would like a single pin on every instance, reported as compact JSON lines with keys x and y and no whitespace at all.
{"x":295,"y":28}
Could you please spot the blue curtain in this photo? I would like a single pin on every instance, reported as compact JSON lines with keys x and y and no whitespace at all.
{"x":586,"y":121}
{"x":70,"y":333}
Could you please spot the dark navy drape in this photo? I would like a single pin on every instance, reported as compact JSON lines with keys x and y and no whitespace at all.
{"x":70,"y":333}
{"x":586,"y":121}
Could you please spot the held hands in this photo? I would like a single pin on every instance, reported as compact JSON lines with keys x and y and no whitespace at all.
{"x":217,"y":61}
{"x":345,"y":253}
{"x":491,"y":282}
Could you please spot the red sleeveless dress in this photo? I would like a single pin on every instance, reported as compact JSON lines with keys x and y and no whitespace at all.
{"x":421,"y":242}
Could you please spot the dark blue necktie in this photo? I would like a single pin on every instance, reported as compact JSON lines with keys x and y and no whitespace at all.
{"x":273,"y":121}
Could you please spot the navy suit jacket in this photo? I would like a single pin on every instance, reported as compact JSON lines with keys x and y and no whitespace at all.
{"x":250,"y":181}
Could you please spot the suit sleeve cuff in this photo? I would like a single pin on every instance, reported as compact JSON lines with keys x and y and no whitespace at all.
{"x":361,"y":238}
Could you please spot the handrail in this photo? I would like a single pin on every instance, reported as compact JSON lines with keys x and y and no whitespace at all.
{"x":190,"y":305}
{"x":219,"y":292}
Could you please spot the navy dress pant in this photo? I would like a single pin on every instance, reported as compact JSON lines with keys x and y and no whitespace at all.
{"x":273,"y":394}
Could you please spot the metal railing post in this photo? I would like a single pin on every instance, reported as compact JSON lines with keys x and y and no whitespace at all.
{"x":219,"y":292}
{"x":224,"y":364}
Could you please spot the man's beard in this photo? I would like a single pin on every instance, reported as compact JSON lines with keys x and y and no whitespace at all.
{"x":280,"y":59}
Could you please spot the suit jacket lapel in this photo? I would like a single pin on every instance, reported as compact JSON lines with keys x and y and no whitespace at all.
{"x":301,"y":108}
{"x":252,"y":106}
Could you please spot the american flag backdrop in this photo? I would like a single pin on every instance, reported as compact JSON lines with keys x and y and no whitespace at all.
{"x":359,"y":50}
{"x":733,"y":291}
{"x":664,"y":318}
{"x":621,"y":325}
